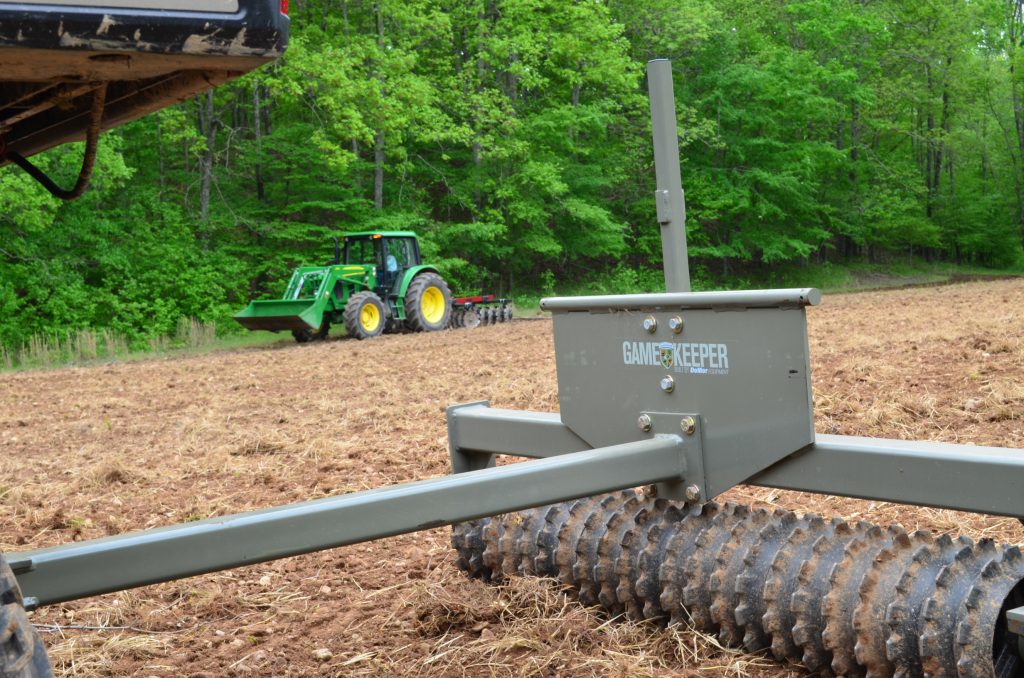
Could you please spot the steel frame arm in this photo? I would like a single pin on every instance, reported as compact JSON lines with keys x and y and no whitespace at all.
{"x":942,"y":475}
{"x":88,"y":568}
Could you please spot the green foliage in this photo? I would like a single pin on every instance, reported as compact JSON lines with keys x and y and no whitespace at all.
{"x":513,"y":136}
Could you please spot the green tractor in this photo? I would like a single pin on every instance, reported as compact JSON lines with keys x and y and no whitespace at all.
{"x":377,"y":284}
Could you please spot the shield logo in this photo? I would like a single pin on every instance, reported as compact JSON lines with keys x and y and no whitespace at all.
{"x":666,"y":354}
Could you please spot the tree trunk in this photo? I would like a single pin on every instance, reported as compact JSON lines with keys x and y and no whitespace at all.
{"x":357,"y":176}
{"x":160,"y":152}
{"x":208,"y":128}
{"x":257,"y":131}
{"x":940,"y":144}
{"x":378,"y":170}
{"x":1013,"y":36}
{"x":929,"y":178}
{"x":481,"y":71}
{"x":378,"y":138}
{"x":323,"y":16}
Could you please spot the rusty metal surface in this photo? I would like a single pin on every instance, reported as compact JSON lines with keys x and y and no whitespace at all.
{"x":257,"y":28}
{"x":53,"y":56}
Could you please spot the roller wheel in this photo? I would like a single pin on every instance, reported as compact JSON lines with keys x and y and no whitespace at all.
{"x":365,"y":316}
{"x":428,"y":303}
{"x":471,"y":319}
{"x":22,"y":654}
{"x":306,"y":336}
{"x":857,"y":600}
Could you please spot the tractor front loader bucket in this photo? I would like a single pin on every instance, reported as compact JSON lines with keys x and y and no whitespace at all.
{"x":279,"y":314}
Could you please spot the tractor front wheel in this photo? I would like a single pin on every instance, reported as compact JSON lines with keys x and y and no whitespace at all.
{"x":22,"y":654}
{"x":428,"y":303}
{"x":305,"y":336}
{"x":364,"y":315}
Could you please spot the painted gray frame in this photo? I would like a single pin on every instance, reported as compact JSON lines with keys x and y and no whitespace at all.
{"x":88,"y":568}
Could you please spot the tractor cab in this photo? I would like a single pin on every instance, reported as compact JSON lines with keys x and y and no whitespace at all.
{"x":389,"y":254}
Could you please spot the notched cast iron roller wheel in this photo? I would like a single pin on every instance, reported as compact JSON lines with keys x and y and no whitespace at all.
{"x":841,"y":599}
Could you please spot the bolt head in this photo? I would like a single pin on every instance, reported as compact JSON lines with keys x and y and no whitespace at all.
{"x":688,"y":425}
{"x":651,"y":324}
{"x":668,"y":384}
{"x":692,"y":493}
{"x":675,"y":323}
{"x":644,"y":422}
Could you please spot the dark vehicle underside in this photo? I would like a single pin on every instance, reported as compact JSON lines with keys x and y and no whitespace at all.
{"x":70,"y":70}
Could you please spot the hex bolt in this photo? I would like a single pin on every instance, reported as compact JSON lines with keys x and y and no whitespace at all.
{"x":688,"y":425}
{"x":668,"y":384}
{"x":675,"y":323}
{"x":644,"y":422}
{"x":692,"y":493}
{"x":651,"y":324}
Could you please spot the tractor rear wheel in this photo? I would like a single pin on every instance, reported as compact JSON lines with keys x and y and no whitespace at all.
{"x":428,"y":303}
{"x":364,"y":315}
{"x":22,"y":654}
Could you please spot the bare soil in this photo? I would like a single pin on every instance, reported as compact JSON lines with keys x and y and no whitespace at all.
{"x":89,"y":452}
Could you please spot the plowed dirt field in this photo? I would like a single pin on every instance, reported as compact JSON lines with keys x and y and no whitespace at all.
{"x":88,"y":452}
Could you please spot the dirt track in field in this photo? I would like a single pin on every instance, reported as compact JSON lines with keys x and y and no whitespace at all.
{"x":88,"y":452}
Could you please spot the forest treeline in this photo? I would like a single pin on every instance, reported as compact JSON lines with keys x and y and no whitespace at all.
{"x":514,"y":136}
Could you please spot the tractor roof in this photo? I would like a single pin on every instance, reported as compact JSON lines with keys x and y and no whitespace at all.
{"x":383,"y":234}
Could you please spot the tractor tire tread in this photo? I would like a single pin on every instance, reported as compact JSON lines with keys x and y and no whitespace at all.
{"x":354,"y":306}
{"x":414,"y":319}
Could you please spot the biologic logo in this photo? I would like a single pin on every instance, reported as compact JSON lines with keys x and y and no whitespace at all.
{"x":692,"y":358}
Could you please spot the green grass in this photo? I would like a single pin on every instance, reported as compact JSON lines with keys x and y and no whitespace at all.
{"x":192,"y":337}
{"x":829,"y":278}
{"x":834,"y":279}
{"x":88,"y":347}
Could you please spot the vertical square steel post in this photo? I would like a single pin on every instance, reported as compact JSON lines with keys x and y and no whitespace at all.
{"x":669,"y":199}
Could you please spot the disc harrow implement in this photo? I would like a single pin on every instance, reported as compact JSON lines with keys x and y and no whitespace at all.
{"x":839,"y":598}
{"x":484,"y":309}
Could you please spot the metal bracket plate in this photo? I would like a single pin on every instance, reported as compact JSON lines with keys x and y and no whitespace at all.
{"x":663,"y":204}
{"x":689,"y":427}
{"x":463,"y":461}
